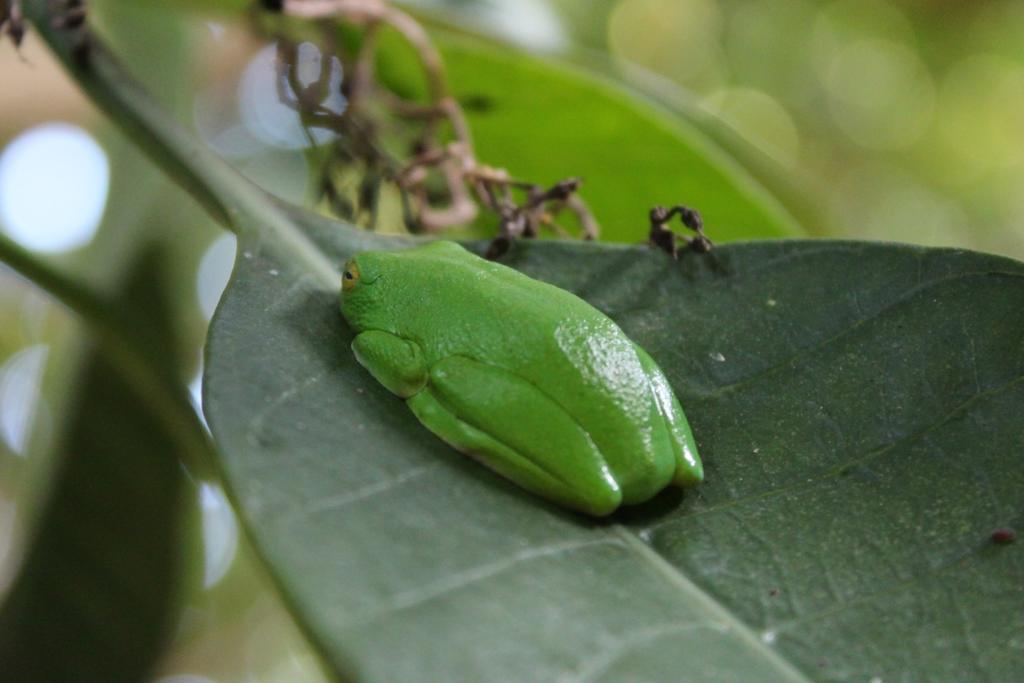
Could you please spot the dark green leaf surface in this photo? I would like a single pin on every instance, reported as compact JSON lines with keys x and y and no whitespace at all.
{"x":857,"y":407}
{"x":98,"y":590}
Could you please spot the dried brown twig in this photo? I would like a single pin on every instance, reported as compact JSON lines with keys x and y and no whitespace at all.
{"x":12,"y":21}
{"x":442,"y":182}
{"x":662,"y":236}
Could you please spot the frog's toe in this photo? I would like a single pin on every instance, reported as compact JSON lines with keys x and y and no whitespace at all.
{"x":689,"y":470}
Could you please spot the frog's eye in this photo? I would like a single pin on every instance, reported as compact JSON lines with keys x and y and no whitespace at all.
{"x":350,"y":277}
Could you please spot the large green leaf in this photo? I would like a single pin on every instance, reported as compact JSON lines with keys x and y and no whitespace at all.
{"x":858,"y":410}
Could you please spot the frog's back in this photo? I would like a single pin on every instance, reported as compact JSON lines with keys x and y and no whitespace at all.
{"x":561,"y":344}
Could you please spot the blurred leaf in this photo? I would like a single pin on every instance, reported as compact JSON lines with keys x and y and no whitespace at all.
{"x":800,"y":194}
{"x":544,"y":121}
{"x":97,"y":593}
{"x":857,"y":406}
{"x":160,"y":41}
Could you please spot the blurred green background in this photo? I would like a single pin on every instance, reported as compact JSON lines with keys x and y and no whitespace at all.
{"x":868,"y":119}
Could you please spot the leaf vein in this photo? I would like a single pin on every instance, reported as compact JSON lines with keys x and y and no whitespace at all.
{"x":368,"y":491}
{"x":468,"y":577}
{"x":256,"y":423}
{"x":593,"y":667}
{"x":674,"y":576}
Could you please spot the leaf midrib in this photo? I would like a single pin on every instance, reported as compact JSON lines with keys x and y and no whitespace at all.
{"x":680,"y":581}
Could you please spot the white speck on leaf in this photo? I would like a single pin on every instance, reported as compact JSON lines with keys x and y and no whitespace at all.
{"x":715,"y":355}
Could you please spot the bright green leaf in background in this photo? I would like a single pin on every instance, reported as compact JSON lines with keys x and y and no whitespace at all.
{"x":544,"y":122}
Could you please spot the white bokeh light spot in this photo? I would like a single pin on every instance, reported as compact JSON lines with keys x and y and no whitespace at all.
{"x":20,"y":377}
{"x":275,"y":123}
{"x":54,"y":181}
{"x":220,"y":534}
{"x":214,"y":272}
{"x":185,"y":678}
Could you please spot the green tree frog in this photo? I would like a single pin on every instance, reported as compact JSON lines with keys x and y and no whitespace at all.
{"x":526,"y":377}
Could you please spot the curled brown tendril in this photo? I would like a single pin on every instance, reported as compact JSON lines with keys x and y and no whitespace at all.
{"x":441,"y":182}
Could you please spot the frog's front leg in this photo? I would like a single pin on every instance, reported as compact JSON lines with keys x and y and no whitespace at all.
{"x":518,"y":431}
{"x":689,"y":469}
{"x":394,"y":362}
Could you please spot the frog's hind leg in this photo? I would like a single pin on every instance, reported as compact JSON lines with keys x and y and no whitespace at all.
{"x":689,"y":469}
{"x":516,"y":430}
{"x":499,"y":457}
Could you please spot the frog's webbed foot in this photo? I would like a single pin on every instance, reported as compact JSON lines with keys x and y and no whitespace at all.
{"x":662,"y":236}
{"x":519,"y":432}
